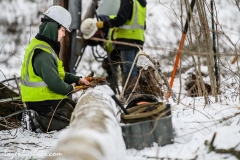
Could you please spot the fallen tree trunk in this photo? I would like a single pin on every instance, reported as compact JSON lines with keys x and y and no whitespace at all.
{"x":94,"y":132}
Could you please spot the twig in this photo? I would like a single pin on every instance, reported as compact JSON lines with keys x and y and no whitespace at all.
{"x":160,"y":48}
{"x":232,"y":151}
{"x":211,"y":147}
{"x":6,"y":126}
{"x":166,"y":158}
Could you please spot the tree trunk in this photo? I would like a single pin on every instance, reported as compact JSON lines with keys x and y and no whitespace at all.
{"x":64,"y":54}
{"x":191,"y":46}
{"x":207,"y":45}
{"x":198,"y":56}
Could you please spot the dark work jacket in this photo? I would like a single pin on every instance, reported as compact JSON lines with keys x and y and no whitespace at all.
{"x":124,"y":13}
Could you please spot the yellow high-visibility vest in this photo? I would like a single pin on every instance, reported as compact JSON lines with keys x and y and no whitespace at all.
{"x":33,"y":88}
{"x":134,"y":28}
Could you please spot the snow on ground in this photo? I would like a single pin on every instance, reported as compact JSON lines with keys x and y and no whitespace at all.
{"x":24,"y":144}
{"x":193,"y":126}
{"x":193,"y":122}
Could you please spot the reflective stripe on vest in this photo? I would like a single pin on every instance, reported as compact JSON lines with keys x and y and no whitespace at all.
{"x":133,"y":29}
{"x":26,"y":82}
{"x":32,"y":86}
{"x":135,"y":24}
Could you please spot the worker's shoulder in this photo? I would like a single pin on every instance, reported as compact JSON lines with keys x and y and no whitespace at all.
{"x":42,"y":56}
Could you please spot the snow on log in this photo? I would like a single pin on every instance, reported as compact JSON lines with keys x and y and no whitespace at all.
{"x":94,"y":132}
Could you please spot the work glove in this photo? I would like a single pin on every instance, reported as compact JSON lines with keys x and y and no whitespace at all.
{"x":99,"y":24}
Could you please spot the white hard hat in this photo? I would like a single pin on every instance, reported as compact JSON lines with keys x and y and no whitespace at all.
{"x":60,"y":15}
{"x":88,"y":27}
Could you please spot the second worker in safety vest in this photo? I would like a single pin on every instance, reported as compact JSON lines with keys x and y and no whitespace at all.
{"x":129,"y":25}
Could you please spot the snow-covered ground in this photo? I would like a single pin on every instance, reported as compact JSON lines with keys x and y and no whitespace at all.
{"x":193,"y":124}
{"x":193,"y":121}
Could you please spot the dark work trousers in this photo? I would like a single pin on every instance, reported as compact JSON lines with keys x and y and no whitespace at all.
{"x":53,"y":114}
{"x":115,"y":61}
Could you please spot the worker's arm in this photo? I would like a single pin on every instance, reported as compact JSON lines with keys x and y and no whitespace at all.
{"x":46,"y":67}
{"x":71,"y":78}
{"x":124,"y":13}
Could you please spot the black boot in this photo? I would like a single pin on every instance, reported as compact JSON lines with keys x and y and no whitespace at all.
{"x":112,"y":83}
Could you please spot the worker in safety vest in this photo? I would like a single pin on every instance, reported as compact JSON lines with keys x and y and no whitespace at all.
{"x":44,"y":83}
{"x":129,"y":26}
{"x":89,"y":30}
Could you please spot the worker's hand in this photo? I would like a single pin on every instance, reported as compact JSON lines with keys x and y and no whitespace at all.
{"x":74,"y":89}
{"x":83,"y":81}
{"x":99,"y":24}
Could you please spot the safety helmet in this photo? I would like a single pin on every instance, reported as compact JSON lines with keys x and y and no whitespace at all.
{"x":60,"y":15}
{"x":88,"y":27}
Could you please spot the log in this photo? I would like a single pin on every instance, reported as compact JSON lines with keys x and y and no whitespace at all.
{"x":94,"y":132}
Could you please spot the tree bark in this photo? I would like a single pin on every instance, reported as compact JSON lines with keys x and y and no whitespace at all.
{"x":191,"y":46}
{"x":198,"y":69}
{"x":207,"y":45}
{"x":64,"y":54}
